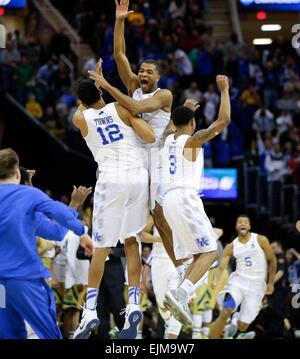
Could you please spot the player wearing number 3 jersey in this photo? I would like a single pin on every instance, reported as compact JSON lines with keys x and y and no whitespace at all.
{"x":247,"y":284}
{"x":182,"y":165}
{"x":120,"y":199}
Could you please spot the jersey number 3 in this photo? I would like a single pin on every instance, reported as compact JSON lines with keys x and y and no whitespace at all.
{"x":113,"y":133}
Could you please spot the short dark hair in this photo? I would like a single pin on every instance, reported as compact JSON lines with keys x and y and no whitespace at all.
{"x":155,"y":63}
{"x":243,"y":216}
{"x":9,"y":163}
{"x":182,"y":115}
{"x":87,"y":92}
{"x":24,"y":175}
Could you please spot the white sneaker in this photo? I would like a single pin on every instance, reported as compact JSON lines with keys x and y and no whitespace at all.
{"x":133,"y":318}
{"x":177,"y":303}
{"x":89,"y":322}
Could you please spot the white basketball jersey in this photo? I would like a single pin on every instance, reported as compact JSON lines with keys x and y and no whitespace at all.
{"x":114,"y":145}
{"x":177,"y":171}
{"x":158,"y":249}
{"x":158,"y":119}
{"x":251,"y":261}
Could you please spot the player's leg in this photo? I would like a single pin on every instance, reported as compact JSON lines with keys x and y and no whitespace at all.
{"x":133,"y":312}
{"x":165,"y":233}
{"x":207,"y":320}
{"x":107,"y":219}
{"x":34,"y":301}
{"x":12,"y":325}
{"x":250,"y":308}
{"x":72,"y":303}
{"x":89,"y":320}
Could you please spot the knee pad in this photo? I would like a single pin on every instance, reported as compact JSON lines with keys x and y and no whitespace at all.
{"x":229,"y":302}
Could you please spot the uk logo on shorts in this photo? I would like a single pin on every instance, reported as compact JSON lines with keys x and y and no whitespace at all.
{"x":98,"y":237}
{"x":203,"y":241}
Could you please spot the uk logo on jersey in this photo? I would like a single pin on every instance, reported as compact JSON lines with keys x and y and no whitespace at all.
{"x":203,"y":242}
{"x":98,"y":237}
{"x":253,"y":245}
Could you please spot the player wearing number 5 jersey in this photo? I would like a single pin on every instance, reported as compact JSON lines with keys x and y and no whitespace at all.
{"x":247,"y":284}
{"x":120,"y":199}
{"x":182,"y":165}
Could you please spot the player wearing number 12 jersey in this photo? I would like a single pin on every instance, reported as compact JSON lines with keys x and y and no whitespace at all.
{"x":247,"y":284}
{"x":120,"y":198}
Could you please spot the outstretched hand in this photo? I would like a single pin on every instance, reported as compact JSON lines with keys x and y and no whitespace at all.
{"x":191,"y":104}
{"x":122,"y":9}
{"x":98,"y":77}
{"x":87,"y":243}
{"x":79,"y":195}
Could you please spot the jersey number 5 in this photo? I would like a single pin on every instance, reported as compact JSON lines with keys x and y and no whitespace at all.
{"x":112,"y":131}
{"x":248,"y":262}
{"x":173,"y":166}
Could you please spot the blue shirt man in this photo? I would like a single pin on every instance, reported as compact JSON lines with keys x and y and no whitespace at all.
{"x":22,"y":274}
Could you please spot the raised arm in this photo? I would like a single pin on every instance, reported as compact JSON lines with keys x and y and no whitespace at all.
{"x":64,"y":215}
{"x":141,"y":127}
{"x":129,"y":79}
{"x":223,"y":120}
{"x":272,"y":262}
{"x":79,"y":122}
{"x":228,"y":253}
{"x":162,"y":99}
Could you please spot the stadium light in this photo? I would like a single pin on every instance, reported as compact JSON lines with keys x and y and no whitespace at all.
{"x":271,"y":27}
{"x":262,"y":41}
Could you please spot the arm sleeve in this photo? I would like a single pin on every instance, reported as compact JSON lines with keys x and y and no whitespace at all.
{"x":50,"y":230}
{"x":62,"y":214}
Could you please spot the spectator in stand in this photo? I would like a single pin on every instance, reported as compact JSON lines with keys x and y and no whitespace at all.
{"x":9,"y":58}
{"x":34,"y":107}
{"x":192,"y":92}
{"x":250,"y":96}
{"x":184,"y":66}
{"x":136,"y":17}
{"x":252,"y":157}
{"x":293,"y":261}
{"x":46,"y":71}
{"x":287,"y":102}
{"x":243,"y":67}
{"x":23,"y":75}
{"x":263,"y":120}
{"x":177,"y":9}
{"x":279,"y":297}
{"x":276,"y":164}
{"x":50,"y":118}
{"x":271,"y":84}
{"x":283,"y":122}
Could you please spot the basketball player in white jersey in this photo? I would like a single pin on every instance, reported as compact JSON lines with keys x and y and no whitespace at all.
{"x":193,"y":235}
{"x":249,"y":283}
{"x":164,"y":278}
{"x":153,"y":105}
{"x":120,"y":198}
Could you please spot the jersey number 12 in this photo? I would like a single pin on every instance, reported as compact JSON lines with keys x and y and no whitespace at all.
{"x":112,"y":132}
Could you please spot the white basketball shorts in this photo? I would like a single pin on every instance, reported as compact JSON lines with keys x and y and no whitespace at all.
{"x":120,"y":209}
{"x":191,"y":229}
